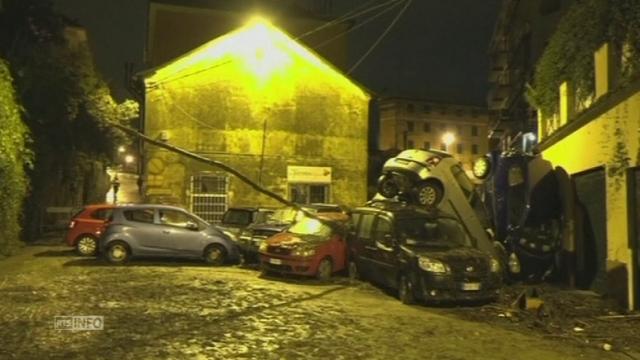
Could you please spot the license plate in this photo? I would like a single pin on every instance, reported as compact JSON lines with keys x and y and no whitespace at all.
{"x":471,"y":286}
{"x":275,"y":261}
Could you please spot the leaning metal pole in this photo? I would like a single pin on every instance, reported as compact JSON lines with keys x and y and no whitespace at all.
{"x":219,"y":165}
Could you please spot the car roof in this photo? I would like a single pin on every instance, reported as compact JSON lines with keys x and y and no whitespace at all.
{"x":150,"y":206}
{"x":99,"y":206}
{"x":250,"y":208}
{"x":400,"y":209}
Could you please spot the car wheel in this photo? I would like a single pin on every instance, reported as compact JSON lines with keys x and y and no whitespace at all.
{"x":325,"y":269}
{"x":86,"y":245}
{"x":405,"y":290}
{"x":215,"y":254}
{"x":387,"y":186}
{"x":428,"y":193}
{"x":352,"y":269}
{"x":118,"y":252}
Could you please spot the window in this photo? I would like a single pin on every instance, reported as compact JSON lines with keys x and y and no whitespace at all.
{"x":459,"y":130}
{"x":410,"y":144}
{"x":174,"y":218}
{"x":459,"y":148}
{"x":237,"y":217}
{"x":443,"y":147}
{"x":474,"y":130}
{"x":410,"y":125}
{"x":142,"y":215}
{"x":410,"y":108}
{"x":209,"y":196}
{"x":426,"y":127}
{"x":102,"y":214}
{"x":355,"y":217}
{"x":382,"y":228}
{"x":364,"y":231}
{"x":426,"y":109}
{"x":474,"y":149}
{"x":443,"y":126}
{"x":309,"y":226}
{"x":309,"y":193}
{"x":427,"y":145}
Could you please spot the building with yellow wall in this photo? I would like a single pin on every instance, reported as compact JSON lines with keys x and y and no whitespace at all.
{"x":266,"y":105}
{"x":597,"y":145}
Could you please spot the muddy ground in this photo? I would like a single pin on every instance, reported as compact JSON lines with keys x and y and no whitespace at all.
{"x":186,"y":310}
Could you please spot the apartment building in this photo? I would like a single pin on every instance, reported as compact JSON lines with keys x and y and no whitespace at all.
{"x":461,"y":130}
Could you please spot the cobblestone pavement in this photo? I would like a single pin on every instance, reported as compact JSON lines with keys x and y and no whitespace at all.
{"x":187,"y":310}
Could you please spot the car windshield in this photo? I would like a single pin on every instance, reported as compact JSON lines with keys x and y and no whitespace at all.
{"x":440,"y":232}
{"x":309,"y":226}
{"x":285,"y":216}
{"x":237,"y":217}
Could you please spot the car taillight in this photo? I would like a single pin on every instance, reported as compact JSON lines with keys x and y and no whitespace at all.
{"x":72,"y":223}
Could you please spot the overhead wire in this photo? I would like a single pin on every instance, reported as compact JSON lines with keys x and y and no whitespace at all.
{"x":377,"y":42}
{"x":352,"y":14}
{"x":347,"y":16}
{"x":363,"y":23}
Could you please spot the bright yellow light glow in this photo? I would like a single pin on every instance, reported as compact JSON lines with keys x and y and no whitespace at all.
{"x":121,"y":149}
{"x":257,"y":57}
{"x":129,"y":159}
{"x":448,"y":138}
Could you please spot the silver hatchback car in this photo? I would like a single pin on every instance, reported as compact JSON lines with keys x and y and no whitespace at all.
{"x":163,"y":231}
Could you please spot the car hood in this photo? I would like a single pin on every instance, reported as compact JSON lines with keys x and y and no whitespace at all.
{"x":290,"y":240}
{"x":270,"y":227}
{"x":448,"y":255}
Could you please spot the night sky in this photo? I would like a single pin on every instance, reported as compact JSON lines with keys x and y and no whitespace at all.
{"x":437,"y":50}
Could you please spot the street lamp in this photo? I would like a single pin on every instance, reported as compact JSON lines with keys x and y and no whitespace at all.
{"x":448,"y":138}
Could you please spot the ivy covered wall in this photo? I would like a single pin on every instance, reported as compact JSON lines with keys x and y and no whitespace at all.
{"x":569,"y":55}
{"x":14,"y":156}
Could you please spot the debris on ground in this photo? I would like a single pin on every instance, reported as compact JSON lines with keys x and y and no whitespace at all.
{"x":563,"y":313}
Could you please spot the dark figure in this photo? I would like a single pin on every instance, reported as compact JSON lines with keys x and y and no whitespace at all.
{"x":116,"y":186}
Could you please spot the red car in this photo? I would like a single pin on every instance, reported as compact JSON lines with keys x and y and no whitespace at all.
{"x":309,"y":247}
{"x":85,"y":228}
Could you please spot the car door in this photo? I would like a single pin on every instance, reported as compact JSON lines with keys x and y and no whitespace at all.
{"x":180,"y":233}
{"x":363,"y":248}
{"x":144,"y":232}
{"x":384,"y":257}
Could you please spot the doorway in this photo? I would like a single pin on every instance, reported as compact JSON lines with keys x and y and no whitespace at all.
{"x":591,"y":230}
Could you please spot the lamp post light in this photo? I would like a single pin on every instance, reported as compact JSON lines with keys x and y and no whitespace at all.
{"x":448,"y":138}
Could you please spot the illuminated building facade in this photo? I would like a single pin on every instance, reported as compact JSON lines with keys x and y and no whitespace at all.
{"x":261,"y":102}
{"x":420,"y":124}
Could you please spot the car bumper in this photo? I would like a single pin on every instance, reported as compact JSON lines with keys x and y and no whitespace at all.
{"x":289,"y":265}
{"x":439,"y":288}
{"x":249,"y":245}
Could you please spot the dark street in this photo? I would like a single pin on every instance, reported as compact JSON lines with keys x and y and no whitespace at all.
{"x":192,"y":311}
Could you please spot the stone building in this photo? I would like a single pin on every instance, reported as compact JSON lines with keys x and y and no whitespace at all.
{"x":421,"y":124}
{"x":266,"y":105}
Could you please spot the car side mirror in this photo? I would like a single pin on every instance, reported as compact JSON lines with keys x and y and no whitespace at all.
{"x":191,"y":226}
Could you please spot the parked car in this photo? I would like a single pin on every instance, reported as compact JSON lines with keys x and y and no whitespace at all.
{"x":251,"y":238}
{"x":435,"y":179}
{"x":86,"y":226}
{"x":311,"y":247}
{"x":424,"y":255}
{"x":163,"y":231}
{"x":522,"y":192}
{"x":236,"y":219}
